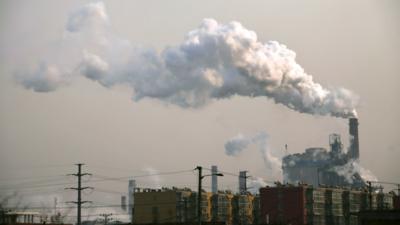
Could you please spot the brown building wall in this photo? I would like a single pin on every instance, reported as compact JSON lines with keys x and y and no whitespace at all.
{"x":155,"y":207}
{"x":283,"y":205}
{"x":396,"y":202}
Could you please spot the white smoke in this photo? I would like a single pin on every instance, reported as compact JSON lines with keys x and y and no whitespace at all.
{"x":237,"y":144}
{"x":351,"y":169}
{"x":214,"y":61}
{"x":272,"y":159}
{"x":154,"y":177}
{"x":254,"y":184}
{"x":45,"y":78}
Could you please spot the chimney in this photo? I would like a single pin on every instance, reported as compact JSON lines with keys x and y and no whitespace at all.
{"x":214,"y":179}
{"x":131,"y":192}
{"x":123,"y":202}
{"x":353,"y":131}
{"x":242,"y":182}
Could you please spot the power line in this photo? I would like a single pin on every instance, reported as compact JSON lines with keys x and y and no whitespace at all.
{"x":29,"y":178}
{"x":30,"y":183}
{"x":37,"y":186}
{"x":40,"y":166}
{"x":237,"y":175}
{"x":102,"y":178}
{"x":125,"y":178}
{"x":91,"y":206}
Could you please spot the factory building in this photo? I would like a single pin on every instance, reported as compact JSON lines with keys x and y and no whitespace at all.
{"x":303,"y":204}
{"x":318,"y":166}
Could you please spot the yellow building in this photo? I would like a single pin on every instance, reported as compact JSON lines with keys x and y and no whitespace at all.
{"x":169,"y":206}
{"x":243,"y":209}
{"x":180,"y":206}
{"x":158,"y":205}
{"x":206,"y":206}
{"x":222,"y":210}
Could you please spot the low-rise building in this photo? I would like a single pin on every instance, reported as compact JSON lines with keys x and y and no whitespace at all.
{"x":379,"y":217}
{"x":163,"y":206}
{"x":243,"y":209}
{"x":180,"y":206}
{"x":302,"y":204}
{"x":26,"y":218}
{"x":222,"y":210}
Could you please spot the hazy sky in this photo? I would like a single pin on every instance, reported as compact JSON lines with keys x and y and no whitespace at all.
{"x":353,"y":44}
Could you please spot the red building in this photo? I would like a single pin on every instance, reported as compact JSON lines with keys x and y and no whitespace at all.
{"x":283,"y":205}
{"x":396,"y":202}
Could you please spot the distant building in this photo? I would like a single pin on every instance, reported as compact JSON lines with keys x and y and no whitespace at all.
{"x":214,"y":179}
{"x":302,"y":204}
{"x":169,"y":206}
{"x":257,"y":210}
{"x":381,"y":217}
{"x":242,"y":181}
{"x":131,"y":191}
{"x":180,"y":206}
{"x":164,"y":206}
{"x":25,"y":218}
{"x":221,"y":210}
{"x":14,"y":217}
{"x":396,"y":202}
{"x":318,"y":166}
{"x":243,"y":209}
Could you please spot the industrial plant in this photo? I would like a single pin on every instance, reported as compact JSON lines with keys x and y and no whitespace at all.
{"x":314,"y":191}
{"x":317,"y":166}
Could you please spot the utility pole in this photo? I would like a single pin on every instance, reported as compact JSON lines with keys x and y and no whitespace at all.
{"x":201,"y":176}
{"x":199,"y":168}
{"x":79,"y":201}
{"x":106,"y":219}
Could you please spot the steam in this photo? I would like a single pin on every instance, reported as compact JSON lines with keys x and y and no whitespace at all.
{"x":43,"y":204}
{"x":255,"y":184}
{"x":351,"y":169}
{"x":237,"y":144}
{"x":272,"y":159}
{"x":154,"y":178}
{"x":214,"y":61}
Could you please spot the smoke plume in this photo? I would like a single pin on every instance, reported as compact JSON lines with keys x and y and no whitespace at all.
{"x":214,"y":61}
{"x":255,"y":184}
{"x":353,"y":168}
{"x":272,"y":159}
{"x":155,"y":179}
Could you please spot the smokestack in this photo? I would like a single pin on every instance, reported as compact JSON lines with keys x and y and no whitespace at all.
{"x":214,"y":179}
{"x":131,"y":192}
{"x":123,"y":203}
{"x":353,"y":131}
{"x":242,"y":182}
